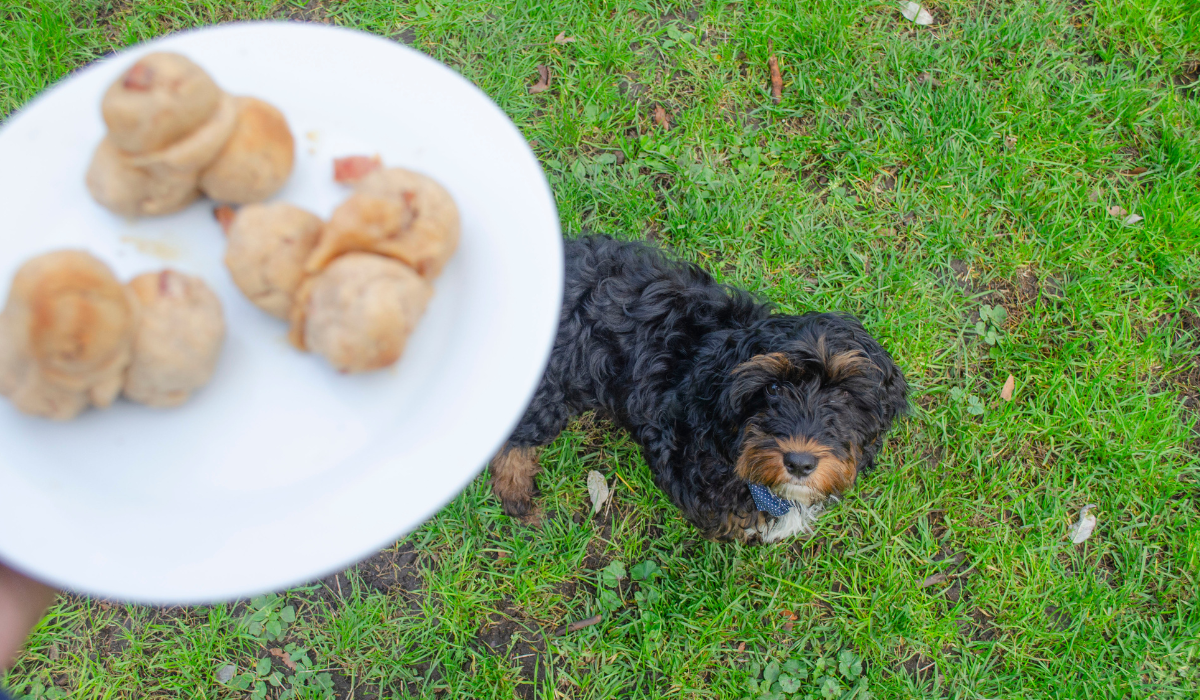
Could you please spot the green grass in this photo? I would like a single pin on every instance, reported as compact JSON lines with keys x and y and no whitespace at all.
{"x":908,"y":203}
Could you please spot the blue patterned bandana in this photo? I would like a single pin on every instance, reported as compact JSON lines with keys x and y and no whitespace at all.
{"x":768,"y":501}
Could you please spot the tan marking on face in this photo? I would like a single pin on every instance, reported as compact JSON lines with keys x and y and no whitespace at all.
{"x":832,"y":475}
{"x":764,"y":465}
{"x":760,"y":465}
{"x":775,"y":363}
{"x":847,"y":364}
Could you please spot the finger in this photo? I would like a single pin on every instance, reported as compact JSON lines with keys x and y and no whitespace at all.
{"x":23,"y":601}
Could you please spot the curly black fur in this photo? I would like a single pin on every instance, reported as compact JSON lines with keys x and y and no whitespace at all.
{"x":701,"y":374}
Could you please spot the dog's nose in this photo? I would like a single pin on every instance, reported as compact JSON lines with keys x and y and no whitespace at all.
{"x":800,"y":463}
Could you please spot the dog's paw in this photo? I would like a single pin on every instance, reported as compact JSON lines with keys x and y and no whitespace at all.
{"x":517,"y":507}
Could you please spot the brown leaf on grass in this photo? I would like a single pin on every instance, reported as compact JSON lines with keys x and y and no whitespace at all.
{"x":350,"y":169}
{"x":1133,"y":219}
{"x":741,"y":646}
{"x":787,"y":626}
{"x":224,"y":214}
{"x":562,"y":38}
{"x":1115,"y":210}
{"x":660,"y":117}
{"x":776,"y":78}
{"x":1136,"y":171}
{"x":924,"y":78}
{"x":284,"y":657}
{"x":788,"y":614}
{"x":580,"y":624}
{"x":933,"y":580}
{"x":543,"y":82}
{"x":1009,"y":385}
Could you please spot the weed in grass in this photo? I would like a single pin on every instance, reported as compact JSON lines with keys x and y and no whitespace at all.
{"x":991,"y":323}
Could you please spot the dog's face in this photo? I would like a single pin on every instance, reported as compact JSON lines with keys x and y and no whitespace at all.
{"x":812,"y":414}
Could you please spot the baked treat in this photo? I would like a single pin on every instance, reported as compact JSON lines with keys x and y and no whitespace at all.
{"x":359,"y":311}
{"x":177,"y":340}
{"x":256,"y":160}
{"x":124,"y":189}
{"x":396,"y":213}
{"x":159,"y":100}
{"x":268,"y":245}
{"x":65,"y":335}
{"x":162,"y":181}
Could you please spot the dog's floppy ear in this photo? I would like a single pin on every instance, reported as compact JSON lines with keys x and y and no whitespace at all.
{"x":895,"y":388}
{"x":891,"y":391}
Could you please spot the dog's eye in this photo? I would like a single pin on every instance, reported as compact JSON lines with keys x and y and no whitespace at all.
{"x":773,"y":389}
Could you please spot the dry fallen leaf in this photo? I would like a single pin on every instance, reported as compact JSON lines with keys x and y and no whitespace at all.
{"x":597,"y":489}
{"x":787,"y":626}
{"x":1009,"y":385}
{"x":1136,"y":171}
{"x":580,"y":624}
{"x":916,"y":13}
{"x":924,"y":77}
{"x":1082,"y":529}
{"x":933,"y":580}
{"x":1115,"y":210}
{"x":1093,"y":195}
{"x":225,"y":673}
{"x":741,"y":646}
{"x":776,"y":78}
{"x":660,"y":117}
{"x":543,"y":82}
{"x":562,"y":38}
{"x":284,"y":657}
{"x":1132,"y":219}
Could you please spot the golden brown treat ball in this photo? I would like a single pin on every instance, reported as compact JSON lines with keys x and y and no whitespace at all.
{"x":65,"y":335}
{"x":124,"y":189}
{"x":177,"y":341}
{"x":196,"y":150}
{"x":159,"y":100}
{"x":397,"y":213}
{"x":268,"y":245}
{"x":256,"y":161}
{"x":164,"y":181}
{"x":359,"y":311}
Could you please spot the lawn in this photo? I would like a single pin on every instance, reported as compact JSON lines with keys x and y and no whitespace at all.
{"x":915,"y":176}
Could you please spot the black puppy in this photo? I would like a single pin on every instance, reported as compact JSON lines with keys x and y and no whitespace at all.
{"x":750,"y":420}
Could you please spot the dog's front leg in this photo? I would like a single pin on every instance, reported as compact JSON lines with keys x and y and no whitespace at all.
{"x":513,"y":470}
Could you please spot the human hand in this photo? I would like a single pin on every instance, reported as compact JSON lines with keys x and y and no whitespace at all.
{"x":23,"y":601}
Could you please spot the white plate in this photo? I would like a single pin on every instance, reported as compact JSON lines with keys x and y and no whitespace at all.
{"x":280,"y":470}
